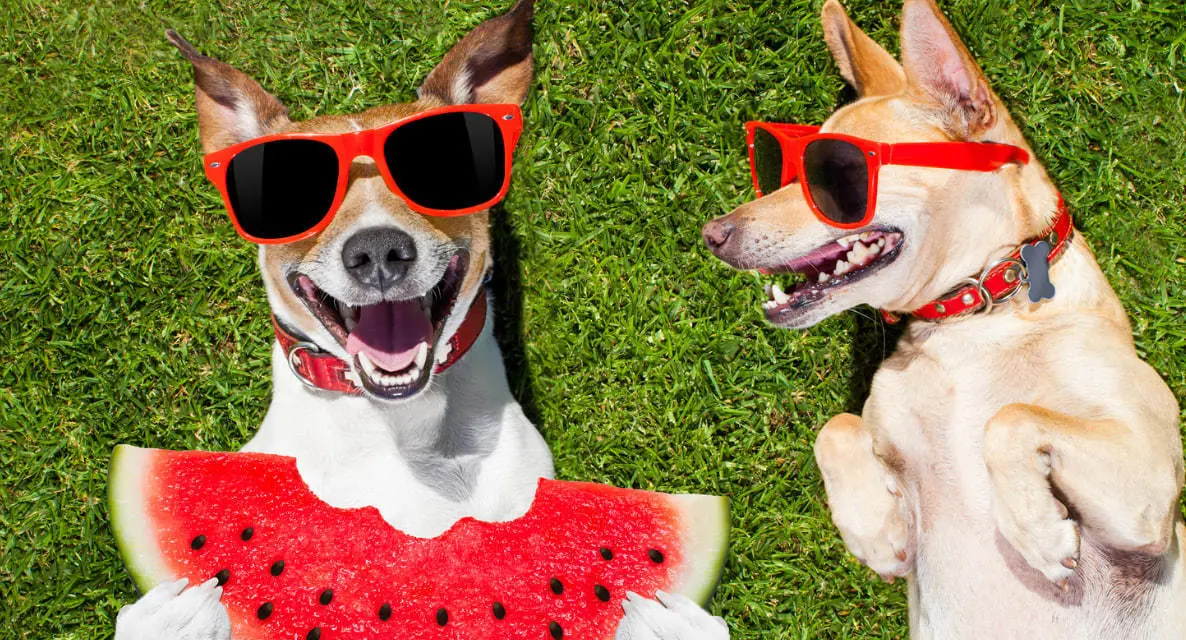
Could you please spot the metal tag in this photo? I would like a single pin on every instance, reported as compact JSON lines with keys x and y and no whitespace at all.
{"x":1036,"y":257}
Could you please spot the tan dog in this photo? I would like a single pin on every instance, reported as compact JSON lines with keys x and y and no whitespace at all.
{"x":1020,"y":465}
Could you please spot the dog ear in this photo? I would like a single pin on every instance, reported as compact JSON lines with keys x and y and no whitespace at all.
{"x":939,"y":67}
{"x":492,"y":64}
{"x":231,"y":106}
{"x":869,"y":68}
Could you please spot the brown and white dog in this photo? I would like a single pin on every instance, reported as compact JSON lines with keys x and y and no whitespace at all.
{"x":425,"y":448}
{"x":456,"y":443}
{"x":1020,"y":466}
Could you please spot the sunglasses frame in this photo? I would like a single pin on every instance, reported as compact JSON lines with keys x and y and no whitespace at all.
{"x":369,"y":143}
{"x":793,"y":140}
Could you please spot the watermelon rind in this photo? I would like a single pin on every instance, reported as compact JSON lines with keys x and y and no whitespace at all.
{"x":706,"y":541}
{"x":133,"y":531}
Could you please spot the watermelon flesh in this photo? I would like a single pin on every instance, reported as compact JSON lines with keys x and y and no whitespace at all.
{"x":294,"y":567}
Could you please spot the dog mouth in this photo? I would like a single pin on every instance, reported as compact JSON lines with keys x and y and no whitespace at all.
{"x":393,"y":344}
{"x":831,"y":266}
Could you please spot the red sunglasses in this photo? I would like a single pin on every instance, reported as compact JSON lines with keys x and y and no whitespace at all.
{"x":450,"y":161}
{"x":839,"y":172}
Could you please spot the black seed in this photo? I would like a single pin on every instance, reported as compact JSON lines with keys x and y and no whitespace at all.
{"x":264,"y":611}
{"x":555,"y":630}
{"x":247,"y":533}
{"x":442,"y":617}
{"x":197,"y":543}
{"x":223,"y":576}
{"x":314,"y":634}
{"x":602,"y":593}
{"x":556,"y":585}
{"x":656,"y":556}
{"x":606,"y":553}
{"x":327,"y":596}
{"x":384,"y":612}
{"x":500,"y":612}
{"x":277,"y":568}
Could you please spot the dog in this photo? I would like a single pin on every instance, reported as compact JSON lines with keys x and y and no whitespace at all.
{"x":1016,"y":461}
{"x":389,"y":389}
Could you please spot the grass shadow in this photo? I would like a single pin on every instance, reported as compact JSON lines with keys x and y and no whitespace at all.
{"x":506,"y":285}
{"x":873,"y":340}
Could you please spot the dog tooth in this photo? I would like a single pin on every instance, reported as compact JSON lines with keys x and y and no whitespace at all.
{"x":841,"y":268}
{"x":852,"y":256}
{"x":769,"y":290}
{"x":866,"y":235}
{"x":824,"y":277}
{"x":422,"y":355}
{"x":874,"y":249}
{"x":365,"y":362}
{"x":881,"y":242}
{"x":779,"y":296}
{"x":845,"y":242}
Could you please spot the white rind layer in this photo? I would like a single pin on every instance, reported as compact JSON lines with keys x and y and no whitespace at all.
{"x":127,"y":505}
{"x":706,"y":541}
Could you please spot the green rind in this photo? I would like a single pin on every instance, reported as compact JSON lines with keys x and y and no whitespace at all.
{"x":126,"y":503}
{"x":706,"y":544}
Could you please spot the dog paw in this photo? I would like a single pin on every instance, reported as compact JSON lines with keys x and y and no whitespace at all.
{"x":877,"y":532}
{"x":1045,"y":538}
{"x":171,"y":611}
{"x":672,"y":617}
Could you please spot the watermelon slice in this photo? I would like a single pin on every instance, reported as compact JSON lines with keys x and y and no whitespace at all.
{"x":294,"y":567}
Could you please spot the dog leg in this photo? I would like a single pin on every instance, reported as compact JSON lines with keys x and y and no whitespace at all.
{"x":673,"y":617}
{"x":171,"y":611}
{"x":1123,"y":487}
{"x":864,"y":497}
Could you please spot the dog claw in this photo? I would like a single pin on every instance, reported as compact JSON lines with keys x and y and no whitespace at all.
{"x":1063,"y":584}
{"x":901,"y":555}
{"x":1070,"y":563}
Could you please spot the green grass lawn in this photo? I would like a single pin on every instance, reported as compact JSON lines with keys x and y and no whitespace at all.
{"x":131,"y":312}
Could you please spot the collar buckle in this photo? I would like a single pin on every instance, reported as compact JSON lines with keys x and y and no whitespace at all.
{"x":294,"y":361}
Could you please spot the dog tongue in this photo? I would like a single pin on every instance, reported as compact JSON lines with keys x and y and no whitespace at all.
{"x":390,"y":333}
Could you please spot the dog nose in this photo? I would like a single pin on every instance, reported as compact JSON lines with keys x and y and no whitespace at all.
{"x":379,"y":257}
{"x":716,"y":233}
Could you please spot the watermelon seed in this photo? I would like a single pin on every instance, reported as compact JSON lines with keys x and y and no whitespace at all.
{"x":384,"y":612}
{"x":277,"y":568}
{"x":314,"y":634}
{"x":556,"y":585}
{"x":197,"y":543}
{"x":656,"y":556}
{"x":264,"y":611}
{"x":442,"y":617}
{"x":500,"y":612}
{"x":247,"y":533}
{"x":223,"y":576}
{"x":555,"y":630}
{"x":602,"y":593}
{"x":327,"y":596}
{"x":606,"y":553}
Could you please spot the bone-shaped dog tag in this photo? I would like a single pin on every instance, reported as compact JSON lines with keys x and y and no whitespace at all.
{"x":1036,"y":257}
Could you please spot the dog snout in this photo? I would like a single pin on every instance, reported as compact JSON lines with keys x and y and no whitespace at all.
{"x":716,"y":234}
{"x":379,"y":257}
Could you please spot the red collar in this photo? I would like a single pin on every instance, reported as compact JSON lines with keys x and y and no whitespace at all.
{"x":326,"y":371}
{"x":996,"y":284}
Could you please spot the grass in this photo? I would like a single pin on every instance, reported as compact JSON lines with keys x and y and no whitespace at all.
{"x":130,"y":311}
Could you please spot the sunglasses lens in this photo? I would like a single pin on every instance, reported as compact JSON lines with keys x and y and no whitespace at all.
{"x":282,"y":188}
{"x":767,"y":162}
{"x":838,"y":177}
{"x":449,"y":161}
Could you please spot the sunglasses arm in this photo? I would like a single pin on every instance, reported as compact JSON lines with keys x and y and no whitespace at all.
{"x":962,"y":156}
